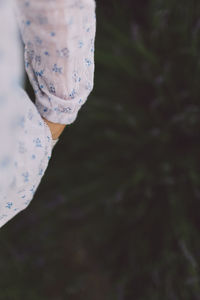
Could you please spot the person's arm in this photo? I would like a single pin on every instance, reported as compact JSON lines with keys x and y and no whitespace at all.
{"x":59,"y":37}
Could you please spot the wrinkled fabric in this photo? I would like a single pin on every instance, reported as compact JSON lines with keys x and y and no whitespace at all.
{"x":22,"y":169}
{"x":59,"y":37}
{"x":26,"y":141}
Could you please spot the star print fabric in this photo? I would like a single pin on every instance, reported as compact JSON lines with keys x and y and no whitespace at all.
{"x":57,"y":42}
{"x":59,"y":39}
{"x":22,"y":167}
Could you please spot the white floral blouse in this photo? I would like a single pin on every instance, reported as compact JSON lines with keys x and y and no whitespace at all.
{"x":58,"y":41}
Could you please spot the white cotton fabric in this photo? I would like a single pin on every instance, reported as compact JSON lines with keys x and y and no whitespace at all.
{"x":59,"y":37}
{"x":25,"y":147}
{"x":62,"y":81}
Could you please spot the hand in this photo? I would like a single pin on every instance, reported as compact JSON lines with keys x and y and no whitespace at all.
{"x":55,"y":128}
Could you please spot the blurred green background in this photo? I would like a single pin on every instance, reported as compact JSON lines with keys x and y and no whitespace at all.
{"x":116,"y":216}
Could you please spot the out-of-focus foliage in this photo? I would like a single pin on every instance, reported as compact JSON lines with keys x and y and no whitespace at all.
{"x":117,"y":213}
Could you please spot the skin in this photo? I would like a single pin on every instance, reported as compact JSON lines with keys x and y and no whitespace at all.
{"x":55,"y":128}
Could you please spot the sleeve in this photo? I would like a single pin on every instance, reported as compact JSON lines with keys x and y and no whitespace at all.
{"x":59,"y":39}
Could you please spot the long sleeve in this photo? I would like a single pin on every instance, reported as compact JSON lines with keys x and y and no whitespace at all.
{"x":59,"y":39}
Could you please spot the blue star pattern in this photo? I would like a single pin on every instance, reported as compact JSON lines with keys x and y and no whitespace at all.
{"x":57,"y":69}
{"x":27,"y":163}
{"x":58,"y":49}
{"x":9,"y":205}
{"x":26,"y":142}
{"x":59,"y":60}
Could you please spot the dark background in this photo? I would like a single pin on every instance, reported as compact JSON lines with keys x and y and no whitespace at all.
{"x":116,"y":215}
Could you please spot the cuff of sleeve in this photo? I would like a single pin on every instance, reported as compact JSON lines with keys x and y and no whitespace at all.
{"x":58,"y":114}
